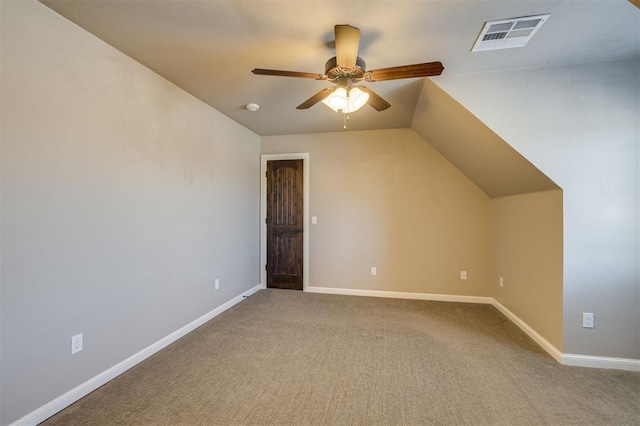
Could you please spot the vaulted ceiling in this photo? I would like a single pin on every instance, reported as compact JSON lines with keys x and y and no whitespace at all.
{"x":209,"y":47}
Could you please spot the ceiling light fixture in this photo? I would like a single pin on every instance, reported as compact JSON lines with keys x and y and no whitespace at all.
{"x":252,"y":107}
{"x":346,"y":99}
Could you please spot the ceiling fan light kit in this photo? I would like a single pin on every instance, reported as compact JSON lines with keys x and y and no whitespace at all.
{"x":346,"y":99}
{"x":347,"y":69}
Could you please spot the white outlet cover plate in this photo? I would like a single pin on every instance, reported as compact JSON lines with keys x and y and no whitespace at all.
{"x":587,"y":320}
{"x":76,"y":344}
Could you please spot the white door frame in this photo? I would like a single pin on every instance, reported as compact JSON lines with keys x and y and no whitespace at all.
{"x":263,"y":214}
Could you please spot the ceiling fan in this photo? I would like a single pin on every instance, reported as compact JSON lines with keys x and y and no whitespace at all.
{"x":346,"y":69}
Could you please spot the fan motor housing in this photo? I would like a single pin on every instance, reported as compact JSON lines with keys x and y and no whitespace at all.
{"x":336,"y":73}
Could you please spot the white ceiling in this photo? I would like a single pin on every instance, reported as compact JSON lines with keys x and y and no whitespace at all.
{"x":209,"y":47}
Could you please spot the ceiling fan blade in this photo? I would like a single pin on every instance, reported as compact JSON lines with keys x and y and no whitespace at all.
{"x":261,"y":71}
{"x":428,"y":69}
{"x":347,"y":44}
{"x":375,"y":100}
{"x":315,"y":98}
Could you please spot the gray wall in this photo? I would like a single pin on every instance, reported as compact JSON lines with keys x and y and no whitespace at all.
{"x":122,"y":199}
{"x":579,"y":125}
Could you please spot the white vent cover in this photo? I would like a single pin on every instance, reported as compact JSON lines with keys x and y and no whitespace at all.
{"x":508,"y":33}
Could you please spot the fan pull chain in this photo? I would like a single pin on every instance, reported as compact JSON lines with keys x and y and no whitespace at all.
{"x":346,"y":115}
{"x":345,"y":119}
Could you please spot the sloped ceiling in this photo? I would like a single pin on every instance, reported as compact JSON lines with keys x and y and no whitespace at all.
{"x":483,"y":156}
{"x":209,"y":47}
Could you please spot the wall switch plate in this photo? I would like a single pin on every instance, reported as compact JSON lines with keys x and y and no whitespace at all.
{"x":76,"y":343}
{"x":217,"y":283}
{"x":314,"y":220}
{"x":374,"y":270}
{"x":501,"y":282}
{"x":587,"y":320}
{"x":463,"y":275}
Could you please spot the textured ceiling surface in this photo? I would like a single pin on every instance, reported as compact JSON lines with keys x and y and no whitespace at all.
{"x":209,"y":47}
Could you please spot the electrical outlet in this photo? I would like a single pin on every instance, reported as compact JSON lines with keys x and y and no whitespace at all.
{"x":217,"y":283}
{"x":501,"y":282}
{"x":587,"y":320}
{"x":463,"y":275}
{"x":374,"y":270}
{"x":76,"y":343}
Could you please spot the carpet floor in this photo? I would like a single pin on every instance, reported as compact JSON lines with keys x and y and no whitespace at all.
{"x":284,"y":357}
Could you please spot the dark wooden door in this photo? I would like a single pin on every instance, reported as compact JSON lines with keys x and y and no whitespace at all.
{"x":284,"y":224}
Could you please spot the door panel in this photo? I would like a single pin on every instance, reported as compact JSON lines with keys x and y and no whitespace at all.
{"x":284,"y":224}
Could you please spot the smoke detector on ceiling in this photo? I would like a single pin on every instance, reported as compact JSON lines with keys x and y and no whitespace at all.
{"x":508,"y":33}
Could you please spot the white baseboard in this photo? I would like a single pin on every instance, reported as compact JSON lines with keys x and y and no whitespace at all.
{"x":601,"y":362}
{"x":544,"y":343}
{"x":41,"y":414}
{"x":565,"y":359}
{"x":401,"y":295}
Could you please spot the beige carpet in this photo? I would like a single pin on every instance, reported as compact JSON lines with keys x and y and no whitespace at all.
{"x":283,"y":357}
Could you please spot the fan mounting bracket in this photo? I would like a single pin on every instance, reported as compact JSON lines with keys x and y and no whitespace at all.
{"x":337,"y":74}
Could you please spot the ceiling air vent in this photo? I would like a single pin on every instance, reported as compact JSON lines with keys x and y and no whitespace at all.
{"x":508,"y":33}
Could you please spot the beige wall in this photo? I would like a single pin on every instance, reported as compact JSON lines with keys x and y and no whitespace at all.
{"x":520,"y":222}
{"x":389,"y":199}
{"x":580,"y":126}
{"x":527,"y":242}
{"x":123,"y":198}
